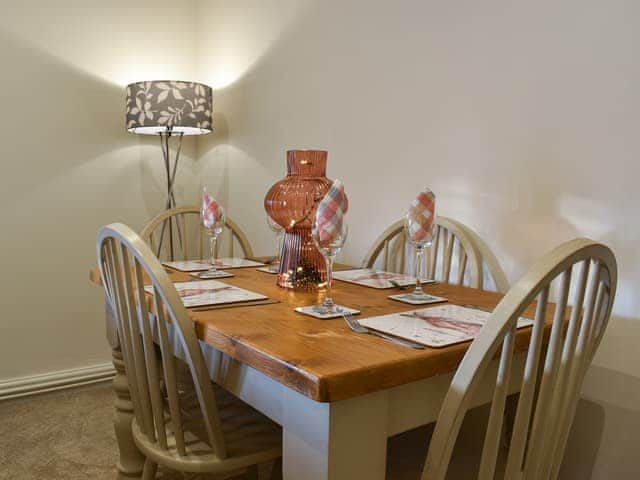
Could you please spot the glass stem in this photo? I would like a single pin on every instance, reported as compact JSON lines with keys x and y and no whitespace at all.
{"x":418,"y":269}
{"x":279,"y":247}
{"x":212,"y":246}
{"x":328,"y":300}
{"x":274,"y":266}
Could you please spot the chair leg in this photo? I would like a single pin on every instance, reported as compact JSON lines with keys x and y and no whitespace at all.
{"x":275,"y":470}
{"x":268,"y":471}
{"x":253,"y":473}
{"x":149,"y":471}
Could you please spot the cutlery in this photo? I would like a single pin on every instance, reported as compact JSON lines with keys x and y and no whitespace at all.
{"x":233,"y":305}
{"x":357,"y":327}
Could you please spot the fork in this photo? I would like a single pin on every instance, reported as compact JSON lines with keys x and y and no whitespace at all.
{"x":357,"y":327}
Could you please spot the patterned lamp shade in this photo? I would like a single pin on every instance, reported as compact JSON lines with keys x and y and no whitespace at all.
{"x":167,"y":106}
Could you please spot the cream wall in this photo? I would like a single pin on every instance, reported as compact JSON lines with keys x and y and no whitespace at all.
{"x":68,"y":166}
{"x":521,"y":116}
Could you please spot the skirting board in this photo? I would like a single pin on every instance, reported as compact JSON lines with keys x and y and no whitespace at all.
{"x":48,"y":382}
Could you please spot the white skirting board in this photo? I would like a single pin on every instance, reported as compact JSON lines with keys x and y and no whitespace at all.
{"x":48,"y":382}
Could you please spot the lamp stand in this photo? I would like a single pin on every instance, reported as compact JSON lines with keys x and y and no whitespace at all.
{"x":171,"y":177}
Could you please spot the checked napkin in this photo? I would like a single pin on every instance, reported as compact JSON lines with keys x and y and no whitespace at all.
{"x":210,"y":210}
{"x":421,"y":215}
{"x":330,"y":213}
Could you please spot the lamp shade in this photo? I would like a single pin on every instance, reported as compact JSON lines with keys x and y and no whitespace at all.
{"x":161,"y":106}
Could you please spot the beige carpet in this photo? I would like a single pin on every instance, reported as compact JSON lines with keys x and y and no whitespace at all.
{"x":62,"y":435}
{"x":68,"y":435}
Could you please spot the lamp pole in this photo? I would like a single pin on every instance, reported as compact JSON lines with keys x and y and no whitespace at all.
{"x":169,"y":108}
{"x":171,"y":177}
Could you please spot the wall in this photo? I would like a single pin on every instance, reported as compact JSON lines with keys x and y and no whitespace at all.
{"x":69,"y":167}
{"x":521,"y":116}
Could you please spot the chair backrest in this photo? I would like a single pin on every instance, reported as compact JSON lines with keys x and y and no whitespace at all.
{"x":452,"y":258}
{"x":581,"y":276}
{"x":492,"y":270}
{"x":126,"y":263}
{"x":185,"y":238}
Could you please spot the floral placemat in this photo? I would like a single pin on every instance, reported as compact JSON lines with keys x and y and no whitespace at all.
{"x":211,"y":292}
{"x":198,"y":265}
{"x":436,"y":327}
{"x":376,"y":278}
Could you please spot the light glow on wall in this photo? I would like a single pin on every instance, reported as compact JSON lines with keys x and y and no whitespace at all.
{"x":234,"y":46}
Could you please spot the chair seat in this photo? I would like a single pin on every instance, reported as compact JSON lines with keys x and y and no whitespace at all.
{"x":250,"y":437}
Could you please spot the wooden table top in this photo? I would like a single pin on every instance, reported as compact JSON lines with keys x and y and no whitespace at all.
{"x":323,"y":359}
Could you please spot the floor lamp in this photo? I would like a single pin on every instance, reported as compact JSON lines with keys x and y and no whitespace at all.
{"x":169,"y":108}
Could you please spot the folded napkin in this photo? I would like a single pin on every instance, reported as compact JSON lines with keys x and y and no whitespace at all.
{"x":421,"y":215}
{"x":330,"y":213}
{"x":211,"y":210}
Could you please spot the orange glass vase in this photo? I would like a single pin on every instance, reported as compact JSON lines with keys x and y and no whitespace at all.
{"x":292,"y":203}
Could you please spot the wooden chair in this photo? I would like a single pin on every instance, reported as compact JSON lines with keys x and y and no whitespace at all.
{"x":452,"y":258}
{"x":186,"y":236}
{"x":231,"y":435}
{"x":580,"y":273}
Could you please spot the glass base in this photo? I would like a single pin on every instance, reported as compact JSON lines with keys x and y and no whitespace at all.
{"x":419,"y":296}
{"x":213,"y":274}
{"x":323,"y":309}
{"x":274,"y":267}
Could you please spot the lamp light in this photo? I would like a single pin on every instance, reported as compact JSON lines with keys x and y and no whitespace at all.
{"x":169,"y":108}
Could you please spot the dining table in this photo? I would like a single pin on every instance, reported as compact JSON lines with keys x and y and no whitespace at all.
{"x":337,"y":394}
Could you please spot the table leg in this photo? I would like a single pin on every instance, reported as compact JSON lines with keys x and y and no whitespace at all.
{"x":131,"y":460}
{"x":342,"y":440}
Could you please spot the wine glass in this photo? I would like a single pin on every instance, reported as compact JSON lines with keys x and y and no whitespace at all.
{"x":329,"y":248}
{"x":420,"y":238}
{"x":213,"y":226}
{"x":278,"y":230}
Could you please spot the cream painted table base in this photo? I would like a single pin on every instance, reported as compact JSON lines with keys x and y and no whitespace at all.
{"x":347,"y":439}
{"x":131,"y":461}
{"x":322,"y":440}
{"x":341,"y":440}
{"x":333,"y":440}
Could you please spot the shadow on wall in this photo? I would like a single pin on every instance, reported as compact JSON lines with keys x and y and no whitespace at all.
{"x":407,"y":451}
{"x":606,"y":426}
{"x":488,"y":161}
{"x":153,"y":179}
{"x":64,"y":119}
{"x":444,"y":99}
{"x":246,"y":150}
{"x":153,"y":184}
{"x":70,"y":167}
{"x":603,"y":444}
{"x":213,"y":173}
{"x":60,"y":117}
{"x":584,"y":442}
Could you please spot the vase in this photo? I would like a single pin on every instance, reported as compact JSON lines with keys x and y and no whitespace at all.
{"x":292,"y":203}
